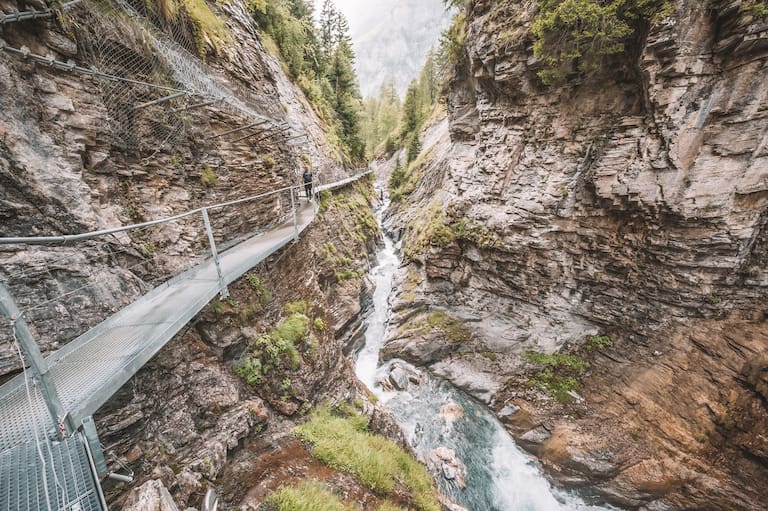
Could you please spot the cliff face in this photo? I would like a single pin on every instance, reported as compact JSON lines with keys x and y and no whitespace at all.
{"x":632,"y":205}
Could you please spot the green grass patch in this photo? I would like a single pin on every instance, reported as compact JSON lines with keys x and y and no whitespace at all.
{"x":274,"y":349}
{"x":260,"y":290}
{"x":298,"y":307}
{"x":348,"y":274}
{"x":325,"y":197}
{"x":306,"y":496}
{"x":207,"y":24}
{"x":599,"y":342}
{"x":559,"y":376}
{"x":343,"y":443}
{"x":404,"y":180}
{"x":434,"y":228}
{"x":453,"y":327}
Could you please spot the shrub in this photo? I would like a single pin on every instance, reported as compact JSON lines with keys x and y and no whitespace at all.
{"x":306,"y":496}
{"x":559,"y":376}
{"x":414,"y":147}
{"x":298,"y":307}
{"x":207,"y":176}
{"x":584,"y":32}
{"x":397,"y":178}
{"x":260,"y":291}
{"x":756,"y":8}
{"x":344,"y":444}
{"x":318,"y":324}
{"x":250,"y":370}
{"x":599,"y":342}
{"x":348,"y":274}
{"x":325,"y":200}
{"x":273,"y":348}
{"x":452,"y":41}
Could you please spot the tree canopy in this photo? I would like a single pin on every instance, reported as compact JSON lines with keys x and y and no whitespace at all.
{"x":321,"y":59}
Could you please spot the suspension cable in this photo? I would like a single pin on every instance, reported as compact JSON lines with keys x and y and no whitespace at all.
{"x":33,"y":14}
{"x":70,"y":65}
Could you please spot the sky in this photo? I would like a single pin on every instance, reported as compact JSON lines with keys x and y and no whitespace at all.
{"x":391,"y":37}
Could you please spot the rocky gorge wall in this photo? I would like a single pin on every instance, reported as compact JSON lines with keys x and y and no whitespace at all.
{"x":631,"y":206}
{"x":192,"y":418}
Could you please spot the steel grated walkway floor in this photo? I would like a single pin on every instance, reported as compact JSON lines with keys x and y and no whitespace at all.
{"x":64,"y":480}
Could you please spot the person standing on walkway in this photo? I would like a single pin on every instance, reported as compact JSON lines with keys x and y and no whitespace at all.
{"x":308,"y":183}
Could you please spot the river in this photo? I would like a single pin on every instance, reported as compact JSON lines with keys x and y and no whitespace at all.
{"x":499,"y":476}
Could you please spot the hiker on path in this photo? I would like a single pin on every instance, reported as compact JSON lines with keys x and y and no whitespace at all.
{"x":308,"y":183}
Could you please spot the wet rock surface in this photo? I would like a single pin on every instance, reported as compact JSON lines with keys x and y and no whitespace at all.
{"x":449,"y":465}
{"x":630,"y":205}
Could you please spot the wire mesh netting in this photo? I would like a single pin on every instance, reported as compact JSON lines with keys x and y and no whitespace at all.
{"x":162,"y":79}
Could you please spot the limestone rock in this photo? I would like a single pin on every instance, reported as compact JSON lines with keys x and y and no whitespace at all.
{"x":150,"y":496}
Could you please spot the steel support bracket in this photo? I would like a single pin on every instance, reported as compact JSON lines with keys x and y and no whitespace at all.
{"x":222,"y":285}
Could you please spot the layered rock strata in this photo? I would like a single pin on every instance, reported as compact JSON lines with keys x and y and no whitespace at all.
{"x":630,"y":204}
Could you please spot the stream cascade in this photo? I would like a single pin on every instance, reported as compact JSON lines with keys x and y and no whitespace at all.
{"x":475,"y":461}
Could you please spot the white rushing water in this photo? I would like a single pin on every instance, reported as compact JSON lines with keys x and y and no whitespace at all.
{"x":499,"y":476}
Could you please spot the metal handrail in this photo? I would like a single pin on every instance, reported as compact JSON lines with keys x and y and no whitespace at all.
{"x":68,"y":238}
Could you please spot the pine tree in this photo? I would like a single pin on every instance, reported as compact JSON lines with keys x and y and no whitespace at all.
{"x":429,"y":81}
{"x":326,"y":27}
{"x":411,"y":110}
{"x":397,"y":178}
{"x":348,"y":103}
{"x":414,"y":147}
{"x":321,"y":59}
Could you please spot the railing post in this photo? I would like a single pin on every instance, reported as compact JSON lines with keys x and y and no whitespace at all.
{"x":37,"y":363}
{"x":94,"y":447}
{"x":223,"y":287}
{"x":295,"y":221}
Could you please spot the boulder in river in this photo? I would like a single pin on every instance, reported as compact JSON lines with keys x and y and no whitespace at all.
{"x":402,"y":375}
{"x":451,"y":412}
{"x":445,"y":461}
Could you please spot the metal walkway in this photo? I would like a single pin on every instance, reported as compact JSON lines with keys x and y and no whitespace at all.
{"x":35,"y":466}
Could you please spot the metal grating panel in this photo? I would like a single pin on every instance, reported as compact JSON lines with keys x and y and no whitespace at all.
{"x":20,"y":415}
{"x":55,"y":476}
